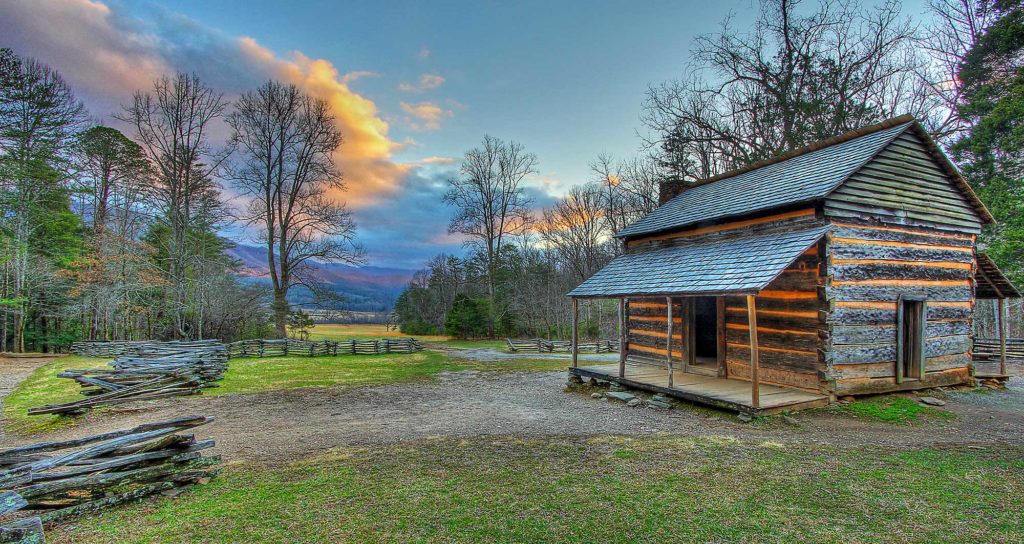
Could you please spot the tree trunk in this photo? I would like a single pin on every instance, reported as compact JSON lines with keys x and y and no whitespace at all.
{"x":280,"y":313}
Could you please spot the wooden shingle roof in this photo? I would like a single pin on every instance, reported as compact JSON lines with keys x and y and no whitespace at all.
{"x":743,"y":264}
{"x":801,"y":176}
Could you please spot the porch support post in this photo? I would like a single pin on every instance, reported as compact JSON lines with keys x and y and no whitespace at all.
{"x":1002,"y":336}
{"x":622,"y":337}
{"x":668,"y":345}
{"x":755,"y":394}
{"x":575,"y":331}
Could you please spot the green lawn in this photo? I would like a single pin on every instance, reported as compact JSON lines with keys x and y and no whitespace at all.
{"x":895,"y":409}
{"x":44,"y":387}
{"x":246,"y":375}
{"x":609,"y":489}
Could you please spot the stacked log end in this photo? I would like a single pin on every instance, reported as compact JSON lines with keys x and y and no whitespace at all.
{"x":142,"y":371}
{"x":53,"y":481}
{"x":23,"y":530}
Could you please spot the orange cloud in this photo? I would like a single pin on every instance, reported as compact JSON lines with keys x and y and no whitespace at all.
{"x":424,"y":115}
{"x":106,"y":54}
{"x":365,"y":157}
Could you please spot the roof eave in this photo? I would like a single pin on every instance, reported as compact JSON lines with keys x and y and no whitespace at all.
{"x":719,"y":220}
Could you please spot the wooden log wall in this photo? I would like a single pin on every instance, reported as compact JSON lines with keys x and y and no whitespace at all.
{"x":788,"y":311}
{"x":868,"y":267}
{"x":788,"y":321}
{"x":647,"y":321}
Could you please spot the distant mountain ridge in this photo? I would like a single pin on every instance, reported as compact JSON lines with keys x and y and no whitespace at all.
{"x":365,"y":288}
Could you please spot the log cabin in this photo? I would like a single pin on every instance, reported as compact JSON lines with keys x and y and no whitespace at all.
{"x":847,"y":267}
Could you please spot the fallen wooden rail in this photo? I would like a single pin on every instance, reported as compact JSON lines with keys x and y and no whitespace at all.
{"x":57,"y":480}
{"x":540,"y":345}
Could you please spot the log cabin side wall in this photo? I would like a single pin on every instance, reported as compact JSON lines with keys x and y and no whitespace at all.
{"x":788,"y":324}
{"x":901,"y":228}
{"x":647,"y":319}
{"x":788,"y":310}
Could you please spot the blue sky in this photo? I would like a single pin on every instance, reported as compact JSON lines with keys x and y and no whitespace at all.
{"x":415,"y":84}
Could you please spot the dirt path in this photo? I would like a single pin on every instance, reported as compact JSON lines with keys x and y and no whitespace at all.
{"x":12,"y":371}
{"x":282,"y":425}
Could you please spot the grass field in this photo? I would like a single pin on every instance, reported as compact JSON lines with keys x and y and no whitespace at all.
{"x":44,"y":387}
{"x":362,"y":332}
{"x":328,"y":331}
{"x":605,"y":489}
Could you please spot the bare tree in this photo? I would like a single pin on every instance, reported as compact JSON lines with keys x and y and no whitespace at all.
{"x":955,"y":27}
{"x":575,"y":228}
{"x":489,"y":198}
{"x":287,"y":140}
{"x":792,"y":79}
{"x":172,"y":124}
{"x":628,"y":189}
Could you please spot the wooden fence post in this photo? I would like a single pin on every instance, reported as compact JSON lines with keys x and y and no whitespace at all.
{"x":1002,"y":336}
{"x":755,"y":394}
{"x":668,"y":344}
{"x":622,"y":337}
{"x":575,"y":331}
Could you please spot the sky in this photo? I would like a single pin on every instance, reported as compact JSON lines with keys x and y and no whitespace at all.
{"x":413,"y":85}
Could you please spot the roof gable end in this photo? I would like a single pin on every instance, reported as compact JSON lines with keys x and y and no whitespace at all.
{"x":805,"y":175}
{"x":909,"y":181}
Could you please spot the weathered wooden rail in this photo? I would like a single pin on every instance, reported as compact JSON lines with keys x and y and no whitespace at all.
{"x":58,"y":480}
{"x":988,"y":357}
{"x":541,"y":345}
{"x":289,"y":346}
{"x":987,"y":350}
{"x":144,"y":348}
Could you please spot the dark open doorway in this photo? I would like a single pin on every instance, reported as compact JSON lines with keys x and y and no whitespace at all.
{"x":705,"y":331}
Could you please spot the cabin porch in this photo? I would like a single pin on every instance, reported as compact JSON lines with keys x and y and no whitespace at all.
{"x":724,"y":393}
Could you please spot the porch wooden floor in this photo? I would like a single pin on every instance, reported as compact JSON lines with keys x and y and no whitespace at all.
{"x":709,"y":390}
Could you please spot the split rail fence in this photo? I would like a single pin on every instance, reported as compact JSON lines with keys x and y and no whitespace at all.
{"x":289,"y":346}
{"x":988,"y":356}
{"x":541,"y":345}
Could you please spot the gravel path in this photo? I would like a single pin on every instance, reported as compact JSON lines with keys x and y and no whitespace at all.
{"x":278,"y":426}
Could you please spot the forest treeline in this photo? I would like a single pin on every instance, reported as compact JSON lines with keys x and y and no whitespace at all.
{"x":110,"y":235}
{"x":803,"y":72}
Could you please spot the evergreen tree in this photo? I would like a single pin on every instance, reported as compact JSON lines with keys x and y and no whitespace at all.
{"x":991,"y":155}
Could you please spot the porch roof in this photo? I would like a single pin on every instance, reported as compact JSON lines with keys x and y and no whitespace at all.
{"x":738,"y":265}
{"x":991,"y":282}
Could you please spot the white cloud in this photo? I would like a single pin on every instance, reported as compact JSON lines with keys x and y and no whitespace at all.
{"x":425,"y":83}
